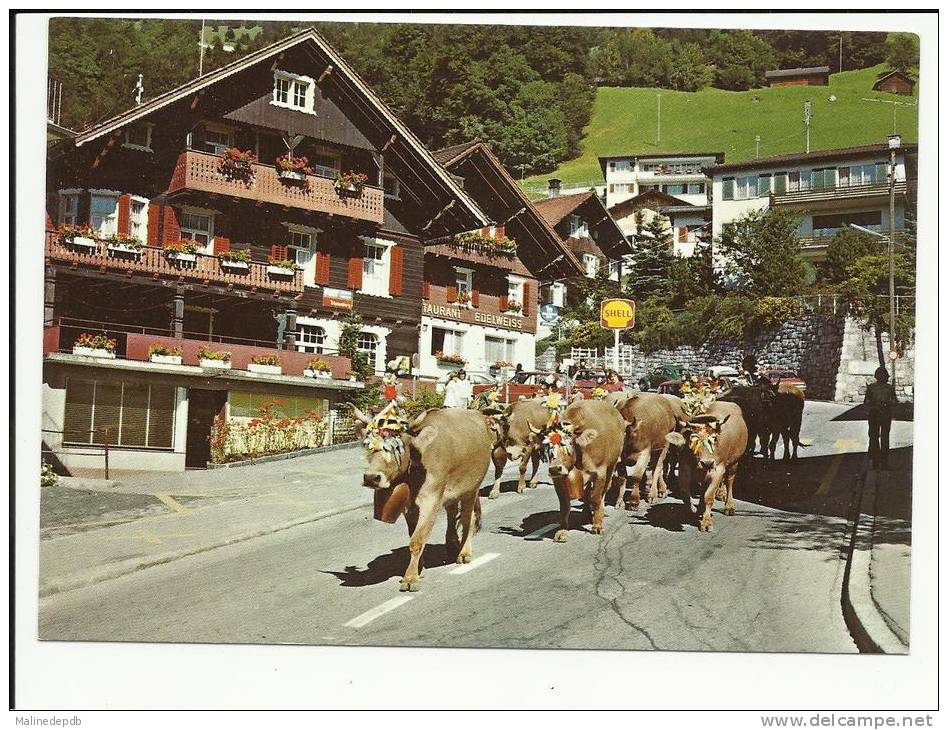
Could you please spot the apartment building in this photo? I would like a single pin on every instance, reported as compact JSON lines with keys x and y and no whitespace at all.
{"x":679,"y":174}
{"x":827,"y":189}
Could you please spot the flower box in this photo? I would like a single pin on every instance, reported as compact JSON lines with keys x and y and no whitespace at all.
{"x":450,"y":364}
{"x":123,"y":248}
{"x":255,"y":367}
{"x":292,"y":175}
{"x":93,"y":352}
{"x":207,"y":362}
{"x":166,"y":359}
{"x":180,"y":256}
{"x":319,"y":374}
{"x":235,"y":265}
{"x":280,"y":271}
{"x":82,"y":242}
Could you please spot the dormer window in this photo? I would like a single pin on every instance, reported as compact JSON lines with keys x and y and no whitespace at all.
{"x":294,"y":91}
{"x":138,"y":136}
{"x":578,"y":227}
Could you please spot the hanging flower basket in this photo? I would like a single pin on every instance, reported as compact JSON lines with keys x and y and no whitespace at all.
{"x":237,"y":164}
{"x":214,"y":359}
{"x":94,"y":346}
{"x":293,"y":169}
{"x":451,"y":360}
{"x":164,"y":354}
{"x":350,"y":183}
{"x":181,"y":251}
{"x":265,"y":364}
{"x":80,"y":237}
{"x":235,"y":260}
{"x":125,"y":245}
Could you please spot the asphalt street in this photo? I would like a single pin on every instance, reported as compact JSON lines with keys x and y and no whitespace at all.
{"x":766,"y":579}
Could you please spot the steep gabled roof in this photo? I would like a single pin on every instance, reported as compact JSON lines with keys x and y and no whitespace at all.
{"x":605,"y":231}
{"x":900,"y":74}
{"x":556,"y":209}
{"x":447,"y":155}
{"x":340,"y":67}
{"x":660,"y":199}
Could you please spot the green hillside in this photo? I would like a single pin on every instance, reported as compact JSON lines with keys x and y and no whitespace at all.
{"x":712,"y":120}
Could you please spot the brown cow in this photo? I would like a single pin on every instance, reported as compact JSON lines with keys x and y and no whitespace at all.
{"x":710,"y":448}
{"x":443,"y":458}
{"x":784,"y":419}
{"x":514,"y":440}
{"x":582,"y":464}
{"x":648,"y":417}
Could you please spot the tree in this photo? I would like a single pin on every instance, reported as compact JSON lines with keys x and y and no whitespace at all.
{"x":349,"y":343}
{"x":740,"y":58}
{"x":691,"y":277}
{"x":847,"y":246}
{"x":652,"y":260}
{"x":689,"y":70}
{"x":760,"y":255}
{"x":901,"y":51}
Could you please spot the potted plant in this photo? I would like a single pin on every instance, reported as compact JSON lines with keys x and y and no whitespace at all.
{"x":77,"y":236}
{"x":479,"y":242}
{"x":181,"y":251}
{"x":125,"y":245}
{"x":214,"y":359}
{"x":503,"y":365}
{"x":318,"y":368}
{"x":235,"y":260}
{"x":451,"y":359}
{"x":281,"y":267}
{"x":464,"y":297}
{"x":350,"y":183}
{"x":164,"y":354}
{"x":514,"y":306}
{"x":237,"y":164}
{"x":268,"y":364}
{"x":94,"y":346}
{"x":294,"y":169}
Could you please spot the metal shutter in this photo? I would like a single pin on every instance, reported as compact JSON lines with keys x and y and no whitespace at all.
{"x":77,"y":421}
{"x":161,"y":416}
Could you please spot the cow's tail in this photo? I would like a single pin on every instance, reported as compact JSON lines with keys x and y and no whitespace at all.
{"x":477,"y":513}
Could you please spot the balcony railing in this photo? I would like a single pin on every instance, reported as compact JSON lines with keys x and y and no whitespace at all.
{"x":200,"y":172}
{"x":153,"y":261}
{"x":839,"y":192}
{"x":132,"y":343}
{"x":816,"y":244}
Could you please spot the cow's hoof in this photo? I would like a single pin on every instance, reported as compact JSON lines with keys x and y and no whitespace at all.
{"x":705,"y":527}
{"x":620,"y":505}
{"x":532,"y":485}
{"x":493,"y":494}
{"x":405,"y":585}
{"x":662,"y":493}
{"x":463,"y":558}
{"x":561,"y":536}
{"x":595,"y":529}
{"x":520,"y":489}
{"x":729,"y":511}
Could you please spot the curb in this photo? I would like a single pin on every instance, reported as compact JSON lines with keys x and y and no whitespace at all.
{"x":866,"y":624}
{"x":91,"y":577}
{"x":284,"y":457}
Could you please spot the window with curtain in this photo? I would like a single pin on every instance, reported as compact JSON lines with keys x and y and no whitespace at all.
{"x":197,"y":227}
{"x":103,"y":214}
{"x":138,"y":219}
{"x":498,"y":348}
{"x":132,"y":413}
{"x":447,"y":341}
{"x":68,"y":208}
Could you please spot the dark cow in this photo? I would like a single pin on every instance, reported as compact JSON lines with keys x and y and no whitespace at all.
{"x":786,"y":416}
{"x":755,"y":402}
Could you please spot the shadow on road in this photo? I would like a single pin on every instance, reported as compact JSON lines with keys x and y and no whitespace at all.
{"x":901,"y":412}
{"x":392,"y":565}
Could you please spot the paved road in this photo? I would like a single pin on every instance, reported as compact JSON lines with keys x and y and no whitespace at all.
{"x":767,"y":579}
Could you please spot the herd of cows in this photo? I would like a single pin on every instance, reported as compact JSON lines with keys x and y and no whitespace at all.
{"x":631,"y":439}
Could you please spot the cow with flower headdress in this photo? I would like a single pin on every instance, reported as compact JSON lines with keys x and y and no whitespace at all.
{"x":710,"y":447}
{"x":417,"y":467}
{"x":515,"y":440}
{"x":583,"y":443}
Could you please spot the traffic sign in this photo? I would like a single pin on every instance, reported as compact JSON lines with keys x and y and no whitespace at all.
{"x":617,"y":314}
{"x":549,"y":313}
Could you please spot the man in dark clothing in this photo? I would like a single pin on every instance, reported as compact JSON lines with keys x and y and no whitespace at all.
{"x":880,"y":397}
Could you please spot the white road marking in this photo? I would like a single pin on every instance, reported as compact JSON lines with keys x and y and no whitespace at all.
{"x":542,"y":531}
{"x":467,"y":567}
{"x":373,"y":613}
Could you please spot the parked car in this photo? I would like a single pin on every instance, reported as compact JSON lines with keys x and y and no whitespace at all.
{"x":651,"y":380}
{"x":724,"y":374}
{"x":784,"y":377}
{"x":527,"y":384}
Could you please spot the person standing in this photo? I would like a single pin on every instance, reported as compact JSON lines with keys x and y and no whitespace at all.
{"x":880,"y":397}
{"x":459,"y":391}
{"x":614,"y":383}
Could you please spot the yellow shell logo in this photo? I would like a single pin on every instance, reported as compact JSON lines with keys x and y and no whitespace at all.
{"x":617,"y":313}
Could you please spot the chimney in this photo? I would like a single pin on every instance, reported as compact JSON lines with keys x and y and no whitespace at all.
{"x":553,"y":191}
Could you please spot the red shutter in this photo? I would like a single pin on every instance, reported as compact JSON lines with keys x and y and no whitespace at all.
{"x":124,"y":214}
{"x":49,"y":223}
{"x":452,"y":293}
{"x":154,"y":213}
{"x":503,"y":303}
{"x":500,"y":231}
{"x":525,"y":310}
{"x":355,"y":272}
{"x":397,"y":271}
{"x":171,"y":229}
{"x":425,"y":289}
{"x":475,"y":298}
{"x":279,"y":253}
{"x":322,"y":268}
{"x":221,"y":244}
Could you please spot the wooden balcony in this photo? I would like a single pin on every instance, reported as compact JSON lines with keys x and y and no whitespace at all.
{"x":200,"y":172}
{"x":837,"y":194}
{"x":154,"y":263}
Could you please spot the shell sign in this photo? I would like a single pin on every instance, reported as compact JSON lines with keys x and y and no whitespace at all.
{"x":617,"y":314}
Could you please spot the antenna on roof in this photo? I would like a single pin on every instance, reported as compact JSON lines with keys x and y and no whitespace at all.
{"x":139,"y":88}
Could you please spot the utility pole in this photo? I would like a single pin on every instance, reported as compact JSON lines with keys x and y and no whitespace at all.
{"x":201,"y":52}
{"x":841,"y":50}
{"x":757,"y":147}
{"x":894,"y":143}
{"x":658,"y":136}
{"x":807,"y":116}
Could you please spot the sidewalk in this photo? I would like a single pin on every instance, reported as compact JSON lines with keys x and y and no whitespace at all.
{"x":880,"y":570}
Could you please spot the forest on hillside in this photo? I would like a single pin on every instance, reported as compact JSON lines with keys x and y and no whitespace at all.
{"x":527,"y":91}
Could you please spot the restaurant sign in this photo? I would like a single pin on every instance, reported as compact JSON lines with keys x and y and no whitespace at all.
{"x":472,"y":316}
{"x":337,"y":298}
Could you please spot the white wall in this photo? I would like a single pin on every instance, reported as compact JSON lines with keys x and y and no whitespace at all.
{"x":472,"y":346}
{"x":333,"y":329}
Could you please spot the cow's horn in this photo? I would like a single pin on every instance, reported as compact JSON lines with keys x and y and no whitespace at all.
{"x":359,"y":415}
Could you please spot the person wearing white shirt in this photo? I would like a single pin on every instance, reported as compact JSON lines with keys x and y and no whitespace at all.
{"x":459,"y":391}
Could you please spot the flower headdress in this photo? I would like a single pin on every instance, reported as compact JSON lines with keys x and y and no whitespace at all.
{"x":556,"y":434}
{"x":697,"y":396}
{"x":384,"y":432}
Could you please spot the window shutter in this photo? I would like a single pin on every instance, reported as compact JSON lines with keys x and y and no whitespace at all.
{"x":452,"y":293}
{"x":322,"y":268}
{"x":279,"y":253}
{"x":525,"y":305}
{"x":77,"y":418}
{"x":727,"y":188}
{"x":171,"y":229}
{"x":475,"y":298}
{"x":161,"y":416}
{"x":425,"y":289}
{"x":124,"y":214}
{"x":221,"y":244}
{"x":154,"y":215}
{"x":396,"y":271}
{"x":355,"y":272}
{"x":503,"y":303}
